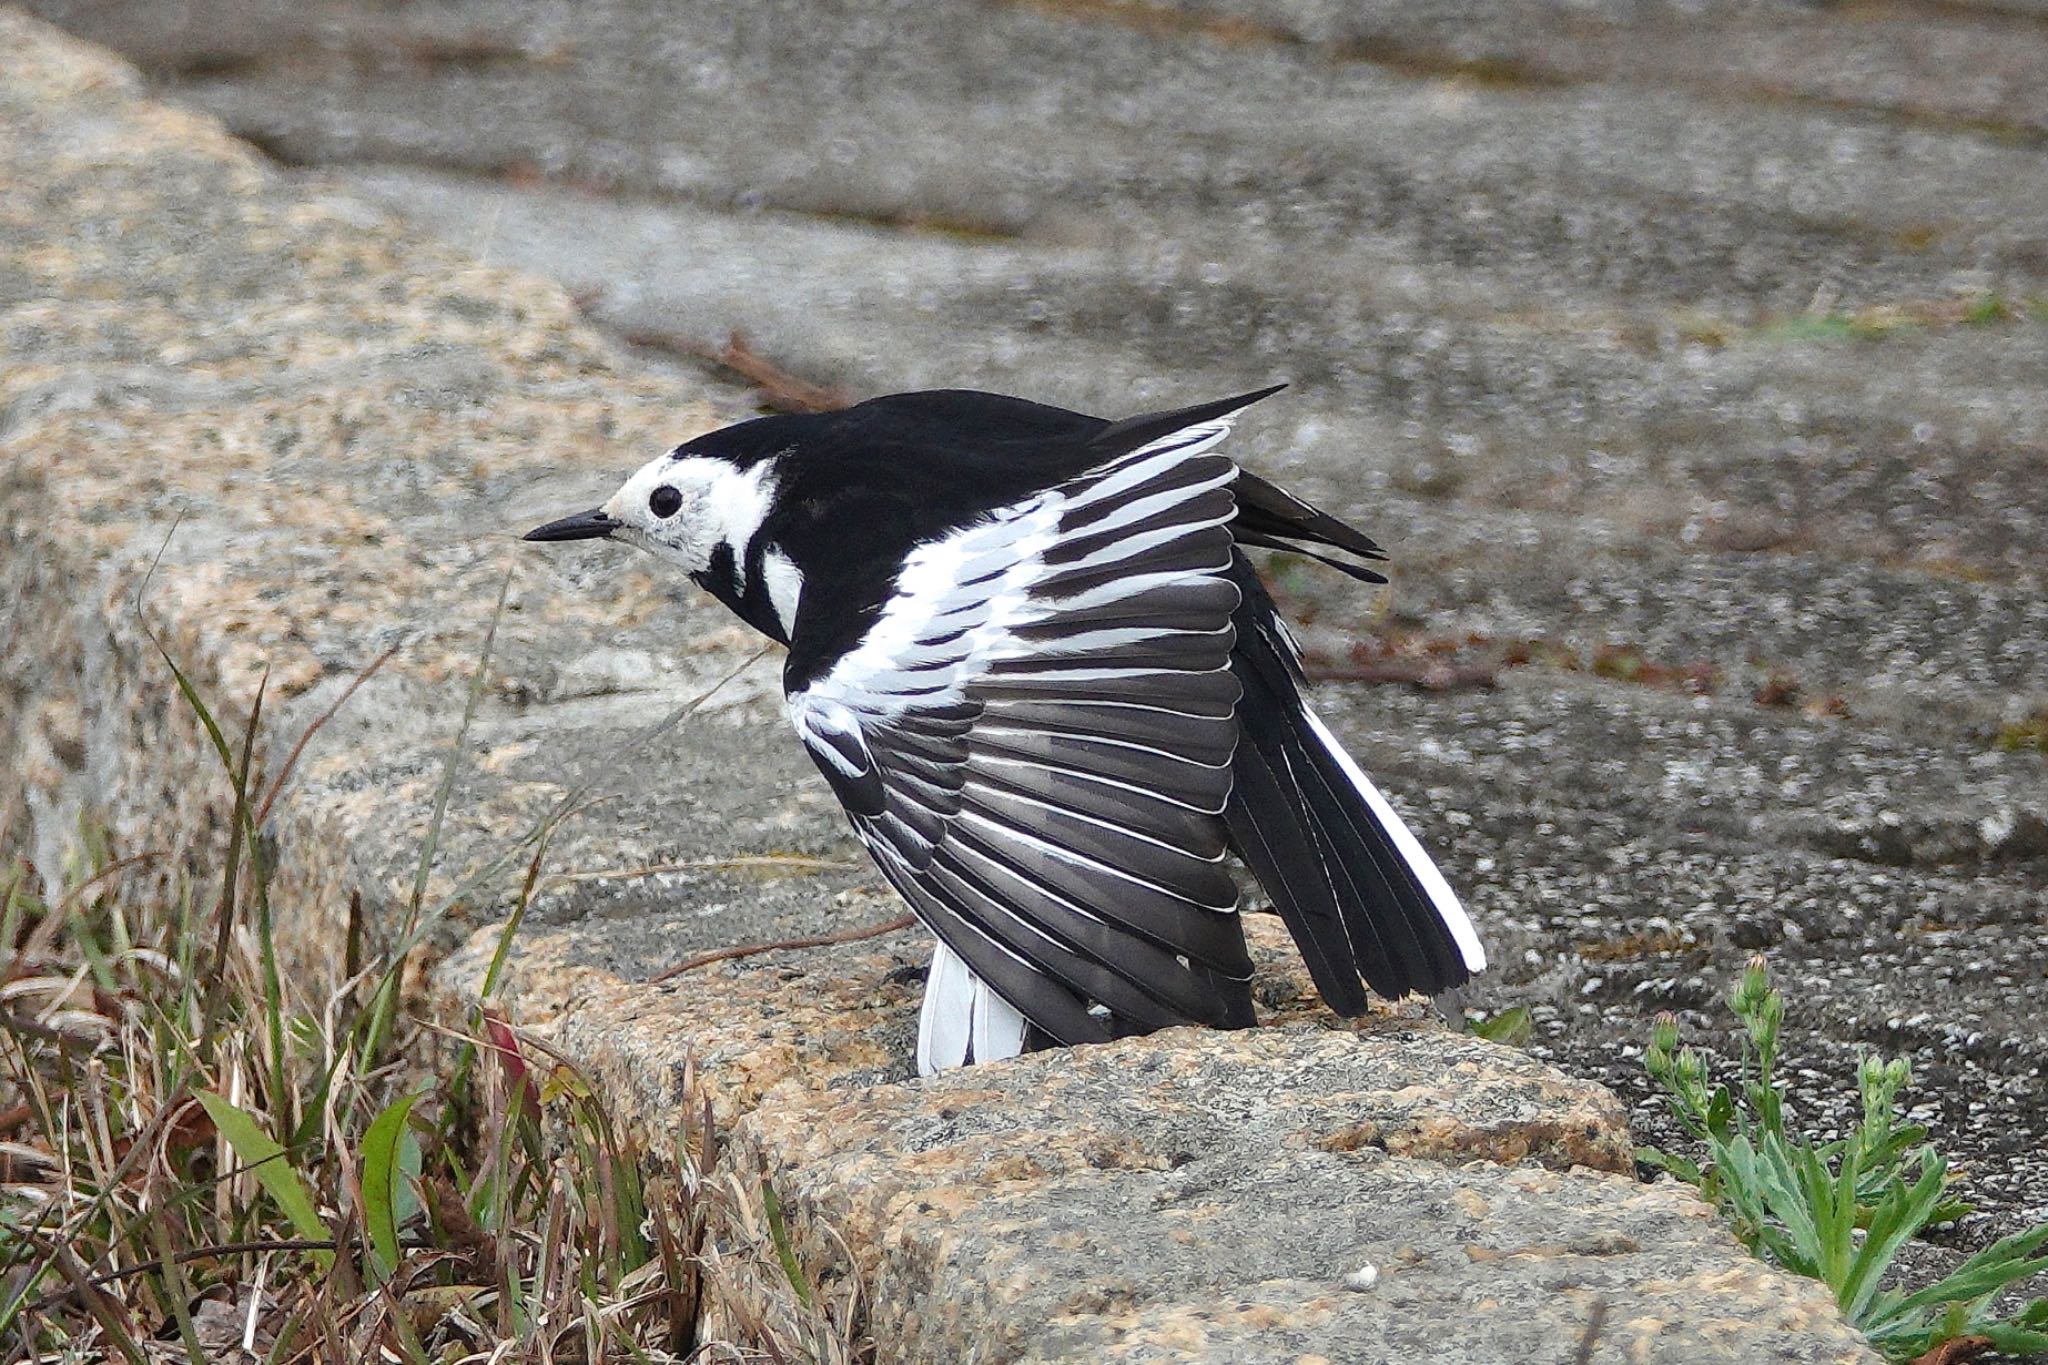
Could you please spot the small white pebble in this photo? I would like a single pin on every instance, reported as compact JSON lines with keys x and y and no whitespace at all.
{"x":1363,"y":1278}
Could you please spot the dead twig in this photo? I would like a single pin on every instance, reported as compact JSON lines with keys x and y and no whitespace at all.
{"x":1955,"y":1351}
{"x":1431,"y":675}
{"x":151,"y":1267}
{"x":111,"y":1315}
{"x":41,"y":1032}
{"x":691,"y":964}
{"x":779,"y":389}
{"x":1595,"y":1320}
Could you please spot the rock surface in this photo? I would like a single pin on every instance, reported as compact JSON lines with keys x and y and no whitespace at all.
{"x":1561,"y":349}
{"x":1282,"y":1195}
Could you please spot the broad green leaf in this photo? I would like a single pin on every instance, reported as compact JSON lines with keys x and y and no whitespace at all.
{"x":1720,"y":1117}
{"x":385,"y":1186}
{"x":1779,"y":1185}
{"x":1901,"y":1213}
{"x":1657,"y":1159}
{"x":267,"y":1161}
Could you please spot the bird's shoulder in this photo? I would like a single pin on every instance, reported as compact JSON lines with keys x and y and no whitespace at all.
{"x":948,"y":454}
{"x":860,"y":491}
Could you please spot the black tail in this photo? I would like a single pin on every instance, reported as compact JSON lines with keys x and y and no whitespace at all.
{"x":1356,"y":890}
{"x":1275,"y":519}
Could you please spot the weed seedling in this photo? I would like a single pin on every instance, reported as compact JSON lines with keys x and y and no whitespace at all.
{"x":1838,"y":1211}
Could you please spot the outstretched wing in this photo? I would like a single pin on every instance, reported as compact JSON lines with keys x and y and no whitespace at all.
{"x":1034,"y":740}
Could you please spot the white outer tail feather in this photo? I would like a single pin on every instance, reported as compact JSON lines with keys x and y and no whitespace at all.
{"x":1441,"y":897}
{"x":963,"y":1018}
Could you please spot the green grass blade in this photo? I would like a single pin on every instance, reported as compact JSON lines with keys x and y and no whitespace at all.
{"x":385,"y":1002}
{"x":2013,"y":1340}
{"x":442,"y":794}
{"x":172,"y":1287}
{"x":267,"y":1161}
{"x":259,"y":883}
{"x":778,"y":1230}
{"x":2006,"y":1261}
{"x":231,"y":875}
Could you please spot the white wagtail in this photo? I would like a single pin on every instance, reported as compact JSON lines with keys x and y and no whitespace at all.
{"x":1030,"y":655}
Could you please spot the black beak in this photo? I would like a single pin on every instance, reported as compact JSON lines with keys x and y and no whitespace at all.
{"x":591,"y":525}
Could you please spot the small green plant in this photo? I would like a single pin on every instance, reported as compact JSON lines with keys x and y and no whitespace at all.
{"x":1511,"y":1027}
{"x":1985,"y":309}
{"x":1833,"y":327}
{"x":2029,"y":732}
{"x":1838,"y":1211}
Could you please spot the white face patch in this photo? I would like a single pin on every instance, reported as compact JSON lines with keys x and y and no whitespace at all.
{"x":683,"y":509}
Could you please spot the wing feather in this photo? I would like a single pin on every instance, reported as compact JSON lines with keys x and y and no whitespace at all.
{"x":1039,"y":730}
{"x":1174,"y":736}
{"x":1046,"y":1002}
{"x":1131,"y":778}
{"x":1133,"y":980}
{"x":999,"y":1027}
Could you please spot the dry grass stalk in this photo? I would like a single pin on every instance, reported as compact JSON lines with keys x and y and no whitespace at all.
{"x":198,"y":1163}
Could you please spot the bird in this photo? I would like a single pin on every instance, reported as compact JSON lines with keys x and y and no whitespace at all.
{"x":1030,"y":655}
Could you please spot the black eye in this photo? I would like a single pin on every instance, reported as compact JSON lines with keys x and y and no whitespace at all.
{"x":664,"y":501}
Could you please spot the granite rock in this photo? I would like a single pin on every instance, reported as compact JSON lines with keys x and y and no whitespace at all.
{"x":279,"y":435}
{"x":1280,"y":1195}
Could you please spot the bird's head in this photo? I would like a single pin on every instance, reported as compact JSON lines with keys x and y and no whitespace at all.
{"x":681,"y":506}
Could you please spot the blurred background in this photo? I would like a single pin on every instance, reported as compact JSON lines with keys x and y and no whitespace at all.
{"x":1691,"y":359}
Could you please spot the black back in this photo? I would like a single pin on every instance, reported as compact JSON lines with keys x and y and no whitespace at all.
{"x":861,"y":487}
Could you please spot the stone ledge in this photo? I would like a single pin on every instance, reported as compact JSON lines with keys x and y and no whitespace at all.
{"x":1173,"y":1199}
{"x":345,"y":421}
{"x":809,"y":1027}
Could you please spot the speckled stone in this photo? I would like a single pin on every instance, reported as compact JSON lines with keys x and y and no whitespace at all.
{"x":1710,"y":333}
{"x":1191,"y":1196}
{"x":794,"y":1023}
{"x":1277,"y":1195}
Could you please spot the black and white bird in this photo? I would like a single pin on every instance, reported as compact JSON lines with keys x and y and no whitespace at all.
{"x":1030,"y":655}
